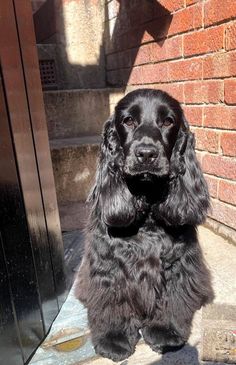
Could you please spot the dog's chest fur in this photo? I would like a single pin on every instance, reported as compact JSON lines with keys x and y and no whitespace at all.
{"x":140,"y":267}
{"x":152,"y":249}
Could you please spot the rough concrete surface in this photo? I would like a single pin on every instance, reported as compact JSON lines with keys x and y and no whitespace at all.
{"x":74,"y":163}
{"x":77,"y":29}
{"x":68,"y":342}
{"x":219,"y":333}
{"x":219,"y":228}
{"x":76,"y":113}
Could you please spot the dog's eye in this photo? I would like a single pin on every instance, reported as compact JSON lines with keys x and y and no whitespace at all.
{"x":167,"y":122}
{"x":129,"y":121}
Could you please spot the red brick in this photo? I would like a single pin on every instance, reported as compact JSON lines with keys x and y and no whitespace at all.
{"x":155,"y":73}
{"x":172,"y":5}
{"x":223,"y":213}
{"x":143,"y":55}
{"x":186,"y":19}
{"x":142,"y":16}
{"x":148,"y":74}
{"x":175,"y":90}
{"x":185,"y":70}
{"x":145,"y":11}
{"x":198,"y":92}
{"x":230,"y":91}
{"x":204,"y":41}
{"x":217,"y":10}
{"x":199,"y":156}
{"x":155,"y":30}
{"x":135,"y":76}
{"x":152,"y":31}
{"x":154,"y":52}
{"x":212,"y":183}
{"x":227,"y":191}
{"x":190,"y":2}
{"x":219,"y":65}
{"x":230,"y":37}
{"x":228,"y":143}
{"x":171,"y":48}
{"x":219,"y":116}
{"x":193,"y":115}
{"x":206,"y":139}
{"x":219,"y":166}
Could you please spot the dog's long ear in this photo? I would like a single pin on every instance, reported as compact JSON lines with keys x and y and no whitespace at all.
{"x":111,"y":200}
{"x":188,"y":198}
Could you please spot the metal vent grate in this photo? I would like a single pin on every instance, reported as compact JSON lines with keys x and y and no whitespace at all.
{"x":48,"y":73}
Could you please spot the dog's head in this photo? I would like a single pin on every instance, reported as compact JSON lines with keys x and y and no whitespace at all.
{"x":148,"y":123}
{"x":148,"y":151}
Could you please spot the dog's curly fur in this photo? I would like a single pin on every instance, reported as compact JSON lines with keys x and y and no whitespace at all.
{"x":143,"y":268}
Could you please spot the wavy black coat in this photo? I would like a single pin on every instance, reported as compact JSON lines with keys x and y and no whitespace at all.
{"x":143,"y":268}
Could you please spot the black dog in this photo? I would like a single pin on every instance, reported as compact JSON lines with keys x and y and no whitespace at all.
{"x":143,"y":268}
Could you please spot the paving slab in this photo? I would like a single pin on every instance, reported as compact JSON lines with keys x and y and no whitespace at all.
{"x":68,"y":342}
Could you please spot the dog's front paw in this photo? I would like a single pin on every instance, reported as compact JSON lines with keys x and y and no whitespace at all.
{"x":161,"y":339}
{"x":114,"y":346}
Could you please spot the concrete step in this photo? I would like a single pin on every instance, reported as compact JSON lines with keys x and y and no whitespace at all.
{"x":74,"y":165}
{"x":76,"y":113}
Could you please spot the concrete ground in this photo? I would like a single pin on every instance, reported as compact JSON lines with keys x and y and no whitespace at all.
{"x":68,"y":342}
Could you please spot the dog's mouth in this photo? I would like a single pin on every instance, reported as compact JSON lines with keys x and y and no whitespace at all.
{"x":147,"y":177}
{"x":148,"y":184}
{"x":148,"y":174}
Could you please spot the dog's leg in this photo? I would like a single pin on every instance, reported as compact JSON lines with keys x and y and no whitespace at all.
{"x":188,"y":288}
{"x":114,"y":330}
{"x":114,"y":335}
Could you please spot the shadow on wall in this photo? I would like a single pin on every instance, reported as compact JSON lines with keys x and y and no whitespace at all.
{"x":78,"y":35}
{"x":137,"y":22}
{"x":84,"y":38}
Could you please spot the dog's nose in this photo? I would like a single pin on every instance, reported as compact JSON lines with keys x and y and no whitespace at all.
{"x":146,"y":154}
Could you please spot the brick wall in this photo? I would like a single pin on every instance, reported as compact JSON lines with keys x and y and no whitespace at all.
{"x":188,"y":48}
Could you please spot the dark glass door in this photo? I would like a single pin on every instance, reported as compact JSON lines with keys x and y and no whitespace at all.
{"x":32,"y":278}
